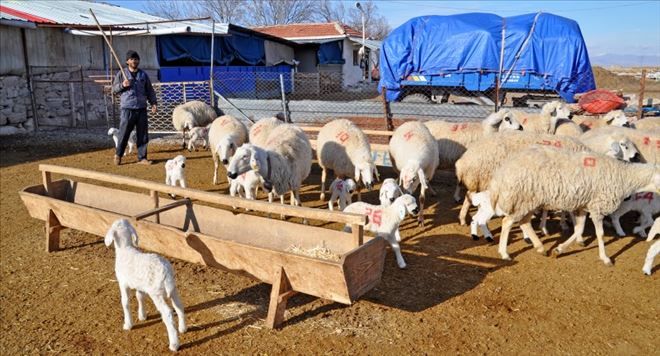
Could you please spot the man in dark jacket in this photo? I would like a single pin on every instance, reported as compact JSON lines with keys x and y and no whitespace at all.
{"x":135,"y":91}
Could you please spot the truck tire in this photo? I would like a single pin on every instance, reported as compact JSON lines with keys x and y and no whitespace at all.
{"x":416,"y":98}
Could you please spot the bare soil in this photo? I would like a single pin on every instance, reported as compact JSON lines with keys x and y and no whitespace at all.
{"x":456,"y":296}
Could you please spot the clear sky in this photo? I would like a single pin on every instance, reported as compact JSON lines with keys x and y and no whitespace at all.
{"x":609,"y":27}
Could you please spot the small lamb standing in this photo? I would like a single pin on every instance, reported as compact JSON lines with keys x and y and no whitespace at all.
{"x":245,"y":185}
{"x":199,"y":133}
{"x":342,"y":147}
{"x":341,"y":189}
{"x":226,"y":135}
{"x":414,"y":152}
{"x":132,"y":139}
{"x":192,"y":114}
{"x":554,"y":179}
{"x":174,"y":172}
{"x":646,"y":203}
{"x":146,"y":273}
{"x":389,"y":191}
{"x":384,"y":221}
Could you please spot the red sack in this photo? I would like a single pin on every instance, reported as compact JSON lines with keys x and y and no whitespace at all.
{"x":600,"y":101}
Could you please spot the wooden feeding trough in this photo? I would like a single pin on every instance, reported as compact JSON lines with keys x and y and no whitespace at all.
{"x":216,"y":236}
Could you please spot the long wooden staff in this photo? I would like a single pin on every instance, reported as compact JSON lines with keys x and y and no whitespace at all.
{"x":112,"y":50}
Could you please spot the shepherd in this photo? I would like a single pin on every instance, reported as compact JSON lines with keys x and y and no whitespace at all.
{"x":135,"y":88}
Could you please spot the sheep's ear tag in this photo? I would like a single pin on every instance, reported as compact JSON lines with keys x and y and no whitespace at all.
{"x":402,"y":212}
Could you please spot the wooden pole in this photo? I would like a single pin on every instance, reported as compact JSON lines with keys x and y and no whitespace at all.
{"x":386,"y":110}
{"x":211,"y":87}
{"x":112,"y":50}
{"x":640,"y":102}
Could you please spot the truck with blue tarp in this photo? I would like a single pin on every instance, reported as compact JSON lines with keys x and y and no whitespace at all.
{"x":535,"y":56}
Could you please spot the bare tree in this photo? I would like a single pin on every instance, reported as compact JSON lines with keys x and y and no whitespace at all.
{"x":376,"y":25}
{"x":226,"y":11}
{"x":280,"y":12}
{"x":330,"y":11}
{"x":171,"y":9}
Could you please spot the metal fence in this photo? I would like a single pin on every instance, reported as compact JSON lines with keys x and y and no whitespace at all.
{"x":315,"y":98}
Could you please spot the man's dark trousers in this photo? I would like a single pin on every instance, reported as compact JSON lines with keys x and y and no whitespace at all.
{"x":129,"y":119}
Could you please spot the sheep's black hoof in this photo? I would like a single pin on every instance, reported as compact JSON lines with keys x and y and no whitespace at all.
{"x":475,"y":237}
{"x":527,"y":240}
{"x":489,"y":239}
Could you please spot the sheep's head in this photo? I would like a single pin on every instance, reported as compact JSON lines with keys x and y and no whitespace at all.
{"x":406,"y":204}
{"x":389,"y":191}
{"x":617,"y":118}
{"x":176,"y":163}
{"x":504,"y":120}
{"x":242,"y":161}
{"x":122,"y":234}
{"x":557,"y":110}
{"x":412,"y":176}
{"x":225,"y":149}
{"x":623,"y":149}
{"x":365,"y":171}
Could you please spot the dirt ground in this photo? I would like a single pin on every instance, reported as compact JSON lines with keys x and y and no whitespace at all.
{"x":455,"y":297}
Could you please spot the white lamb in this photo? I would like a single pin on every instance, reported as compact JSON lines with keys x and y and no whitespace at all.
{"x":282,"y":163}
{"x":614,"y":118}
{"x":555,"y":179}
{"x":261,"y":129}
{"x":646,"y":142}
{"x":226,"y":135}
{"x":199,"y":133}
{"x":245,"y":185}
{"x":384,"y":221}
{"x":654,"y":250}
{"x":389,"y":191}
{"x":175,"y":172}
{"x":646,"y":203}
{"x":342,"y":147}
{"x":341,"y":192}
{"x":146,"y":273}
{"x":414,"y":152}
{"x":132,"y":139}
{"x":192,"y":114}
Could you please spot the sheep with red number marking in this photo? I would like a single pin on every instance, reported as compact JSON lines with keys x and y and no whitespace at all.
{"x":554,"y":118}
{"x":414,"y":153}
{"x":343,"y":148}
{"x":384,"y":221}
{"x":557,"y":179}
{"x":646,"y":204}
{"x":259,"y":132}
{"x":647,"y":142}
{"x":146,"y":273}
{"x":615,"y":118}
{"x":341,"y":192}
{"x":192,"y":114}
{"x":226,"y":135}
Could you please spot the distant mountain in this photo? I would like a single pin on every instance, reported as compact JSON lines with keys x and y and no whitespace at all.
{"x":625,"y":60}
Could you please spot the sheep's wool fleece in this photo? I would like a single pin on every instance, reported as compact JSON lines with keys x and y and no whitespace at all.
{"x":291,"y":157}
{"x":261,"y":129}
{"x":341,"y":145}
{"x":555,"y":179}
{"x":646,"y":141}
{"x":227,"y":125}
{"x":199,"y":112}
{"x":412,"y":141}
{"x":475,"y":168}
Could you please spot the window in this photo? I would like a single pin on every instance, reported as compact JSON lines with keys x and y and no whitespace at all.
{"x":356,"y":58}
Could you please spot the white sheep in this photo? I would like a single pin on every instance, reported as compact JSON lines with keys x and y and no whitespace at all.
{"x":414,"y":152}
{"x":614,"y":118}
{"x":282,"y":163}
{"x":226,"y":135}
{"x":647,"y":142}
{"x":192,"y":114}
{"x":389,"y":191}
{"x":385,"y":221}
{"x":654,"y":250}
{"x":175,"y":171}
{"x":613,"y":144}
{"x":259,"y":132}
{"x":245,"y":185}
{"x":132,"y":139}
{"x":556,"y":179}
{"x":146,"y":273}
{"x":453,"y":138}
{"x":199,"y":133}
{"x":648,"y":124}
{"x":546,"y":120}
{"x":341,"y":191}
{"x":343,"y":148}
{"x":646,"y":203}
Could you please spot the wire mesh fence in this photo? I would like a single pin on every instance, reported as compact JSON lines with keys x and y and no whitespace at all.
{"x":315,"y":98}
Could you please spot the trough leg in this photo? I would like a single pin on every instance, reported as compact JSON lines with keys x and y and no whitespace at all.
{"x":279,"y":295}
{"x":53,"y":228}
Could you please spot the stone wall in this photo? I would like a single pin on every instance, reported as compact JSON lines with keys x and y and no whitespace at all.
{"x":15,"y":109}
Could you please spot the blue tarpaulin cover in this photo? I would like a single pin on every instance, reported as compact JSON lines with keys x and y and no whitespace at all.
{"x":196,"y":49}
{"x":331,"y":53}
{"x":538,"y":43}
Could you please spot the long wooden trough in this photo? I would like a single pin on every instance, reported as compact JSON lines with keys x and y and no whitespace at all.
{"x":220,"y":236}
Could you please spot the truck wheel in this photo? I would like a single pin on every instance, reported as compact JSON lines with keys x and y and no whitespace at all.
{"x":416,"y":98}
